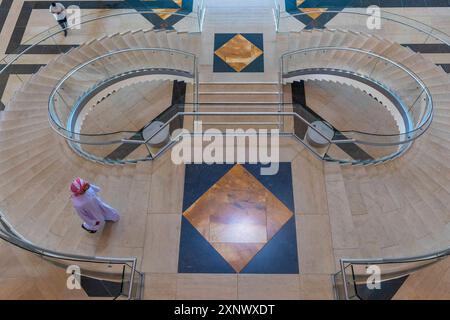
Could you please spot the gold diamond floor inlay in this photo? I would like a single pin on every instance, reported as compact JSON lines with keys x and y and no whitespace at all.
{"x":313,"y":13}
{"x":238,"y":52}
{"x":238,"y":216}
{"x":166,"y":13}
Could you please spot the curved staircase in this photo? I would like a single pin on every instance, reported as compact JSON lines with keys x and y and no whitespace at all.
{"x":36,"y":165}
{"x":398,"y":208}
{"x":434,"y":77}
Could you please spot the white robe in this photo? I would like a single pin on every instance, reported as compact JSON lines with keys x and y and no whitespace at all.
{"x":58,"y":12}
{"x":92,"y":210}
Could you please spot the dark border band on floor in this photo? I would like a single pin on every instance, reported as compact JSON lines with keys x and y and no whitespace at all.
{"x":300,"y":128}
{"x":5,"y":6}
{"x":25,"y":69}
{"x":15,"y":42}
{"x":428,"y":47}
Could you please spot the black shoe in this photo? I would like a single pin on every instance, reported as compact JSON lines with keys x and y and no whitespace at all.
{"x":90,"y":231}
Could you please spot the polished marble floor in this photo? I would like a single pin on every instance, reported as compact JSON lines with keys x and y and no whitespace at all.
{"x":242,"y":223}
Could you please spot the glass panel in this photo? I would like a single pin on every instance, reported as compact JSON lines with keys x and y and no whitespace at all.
{"x":132,"y":287}
{"x":73,"y":276}
{"x":338,"y":283}
{"x":99,"y":135}
{"x":415,"y":104}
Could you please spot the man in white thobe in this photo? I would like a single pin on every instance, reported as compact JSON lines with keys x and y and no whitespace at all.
{"x":59,"y":12}
{"x":90,"y":207}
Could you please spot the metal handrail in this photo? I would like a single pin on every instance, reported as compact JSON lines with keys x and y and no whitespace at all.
{"x":229,"y":113}
{"x":197,"y":114}
{"x":429,"y":112}
{"x":56,"y":26}
{"x":51,"y":105}
{"x":345,"y":262}
{"x":214,"y":113}
{"x":201,"y":12}
{"x":419,"y":258}
{"x":19,"y":55}
{"x":384,"y":15}
{"x":13,"y":237}
{"x":276,"y":10}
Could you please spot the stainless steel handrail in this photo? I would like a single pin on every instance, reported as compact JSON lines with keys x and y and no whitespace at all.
{"x":276,"y":11}
{"x":201,"y":12}
{"x":51,"y":105}
{"x":345,"y":262}
{"x":419,"y":258}
{"x":19,"y":55}
{"x":13,"y":237}
{"x":429,"y":112}
{"x":384,"y":15}
{"x":214,"y":113}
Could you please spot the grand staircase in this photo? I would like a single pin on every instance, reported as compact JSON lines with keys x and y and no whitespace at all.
{"x":434,"y":77}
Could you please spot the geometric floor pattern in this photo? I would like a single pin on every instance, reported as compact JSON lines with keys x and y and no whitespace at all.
{"x":312,"y":13}
{"x":238,"y":52}
{"x":237,"y":221}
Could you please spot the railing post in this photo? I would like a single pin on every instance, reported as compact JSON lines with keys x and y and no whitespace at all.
{"x":280,"y":94}
{"x":344,"y":278}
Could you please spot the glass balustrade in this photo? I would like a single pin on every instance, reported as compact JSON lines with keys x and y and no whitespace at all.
{"x":380,"y":279}
{"x":412,"y":106}
{"x":72,"y":276}
{"x":91,"y":26}
{"x":89,"y":80}
{"x":392,"y":24}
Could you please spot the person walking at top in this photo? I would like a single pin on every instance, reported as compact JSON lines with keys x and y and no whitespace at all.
{"x":90,"y":207}
{"x":59,"y":12}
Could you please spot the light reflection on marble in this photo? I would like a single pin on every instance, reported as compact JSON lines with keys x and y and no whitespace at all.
{"x":238,"y":216}
{"x":238,"y":52}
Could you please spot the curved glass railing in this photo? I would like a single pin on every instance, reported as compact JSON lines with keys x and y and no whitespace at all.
{"x":233,"y":117}
{"x":393,"y":26}
{"x":410,"y":100}
{"x":137,"y":146}
{"x":78,"y":86}
{"x":383,"y":279}
{"x":81,"y":84}
{"x":117,"y":277}
{"x":71,"y":99}
{"x":383,"y":24}
{"x":52,"y":40}
{"x":88,"y":29}
{"x":224,"y":119}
